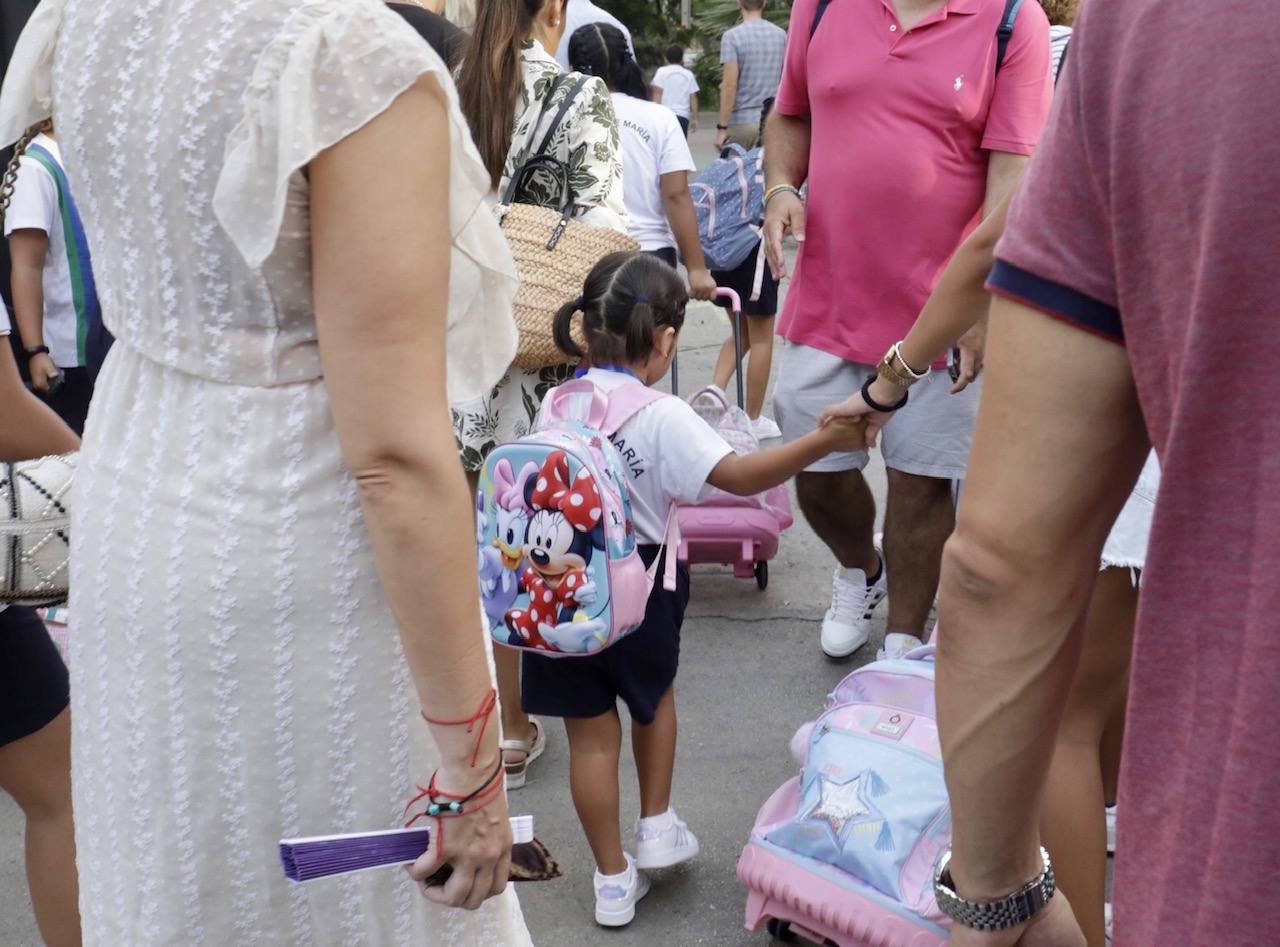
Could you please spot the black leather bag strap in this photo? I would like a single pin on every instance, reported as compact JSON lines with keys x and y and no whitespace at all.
{"x":817,"y":17}
{"x":569,"y":98}
{"x":1004,"y":32}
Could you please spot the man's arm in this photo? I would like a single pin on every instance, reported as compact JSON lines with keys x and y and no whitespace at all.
{"x":728,"y":95}
{"x":693,"y":111}
{"x":786,"y":161}
{"x":1059,"y":444}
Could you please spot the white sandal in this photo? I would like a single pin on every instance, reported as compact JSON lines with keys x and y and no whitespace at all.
{"x":518,"y":771}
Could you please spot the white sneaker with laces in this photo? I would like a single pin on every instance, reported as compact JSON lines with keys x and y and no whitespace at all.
{"x":1106,"y":914}
{"x":896,"y":645}
{"x":664,"y":840}
{"x":616,"y":895}
{"x":765,"y":428}
{"x":1111,"y":829}
{"x":847,"y":624}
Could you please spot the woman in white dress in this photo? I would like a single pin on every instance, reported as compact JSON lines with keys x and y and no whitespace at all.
{"x":269,"y":484}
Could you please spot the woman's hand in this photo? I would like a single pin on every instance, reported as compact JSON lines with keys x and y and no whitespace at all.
{"x":783,"y":215}
{"x":972,"y":345}
{"x":1055,"y":926}
{"x":855,"y":406}
{"x":475,"y":846}
{"x":43,"y":372}
{"x":701,"y":285}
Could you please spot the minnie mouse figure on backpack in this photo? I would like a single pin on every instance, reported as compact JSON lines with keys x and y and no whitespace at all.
{"x":565,"y":529}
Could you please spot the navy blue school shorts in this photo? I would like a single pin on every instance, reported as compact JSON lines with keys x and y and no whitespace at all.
{"x":742,"y":279}
{"x":639,"y":669}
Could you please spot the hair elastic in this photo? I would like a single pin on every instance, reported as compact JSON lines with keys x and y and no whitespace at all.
{"x":580,"y":304}
{"x":642,"y":299}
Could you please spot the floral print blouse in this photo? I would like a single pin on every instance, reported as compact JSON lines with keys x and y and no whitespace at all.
{"x":586,"y":141}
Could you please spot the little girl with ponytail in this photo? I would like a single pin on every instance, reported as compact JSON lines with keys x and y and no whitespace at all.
{"x":631,"y":311}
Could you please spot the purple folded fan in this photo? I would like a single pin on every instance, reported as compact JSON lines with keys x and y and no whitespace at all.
{"x":323,"y":856}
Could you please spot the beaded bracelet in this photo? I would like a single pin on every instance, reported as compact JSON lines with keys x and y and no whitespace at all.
{"x":442,"y":804}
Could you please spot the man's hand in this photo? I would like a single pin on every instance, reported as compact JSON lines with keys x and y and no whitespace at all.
{"x":783,"y":215}
{"x":721,"y":135}
{"x":973,"y":346}
{"x":43,"y":372}
{"x":1055,"y":926}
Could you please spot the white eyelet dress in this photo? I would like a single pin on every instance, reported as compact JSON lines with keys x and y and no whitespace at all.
{"x":236,"y":674}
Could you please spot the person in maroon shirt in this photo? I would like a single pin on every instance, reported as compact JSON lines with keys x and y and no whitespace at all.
{"x":1138,"y":282}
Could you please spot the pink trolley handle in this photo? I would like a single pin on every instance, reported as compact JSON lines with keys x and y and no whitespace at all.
{"x":735,"y":320}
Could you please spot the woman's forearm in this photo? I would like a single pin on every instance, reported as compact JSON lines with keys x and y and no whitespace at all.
{"x":28,"y":427}
{"x":419,"y":517}
{"x":960,"y":299}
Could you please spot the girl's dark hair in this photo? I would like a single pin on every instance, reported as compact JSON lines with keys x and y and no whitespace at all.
{"x":627,"y":298}
{"x":600,"y":49}
{"x":491,"y":76}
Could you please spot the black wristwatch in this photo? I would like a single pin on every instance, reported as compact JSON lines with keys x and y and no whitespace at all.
{"x":37,"y":350}
{"x":722,"y":128}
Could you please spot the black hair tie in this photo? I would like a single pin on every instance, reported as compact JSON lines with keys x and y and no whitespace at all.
{"x":580,"y":304}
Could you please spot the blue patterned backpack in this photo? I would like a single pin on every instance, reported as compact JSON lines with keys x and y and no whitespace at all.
{"x":728,"y":198}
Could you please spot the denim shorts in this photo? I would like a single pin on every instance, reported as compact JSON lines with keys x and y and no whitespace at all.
{"x":1126,"y":546}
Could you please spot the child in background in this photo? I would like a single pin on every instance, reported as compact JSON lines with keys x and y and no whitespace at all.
{"x":55,"y":304}
{"x":655,"y":157}
{"x":675,"y":87}
{"x":633,"y":308}
{"x":757,"y":325}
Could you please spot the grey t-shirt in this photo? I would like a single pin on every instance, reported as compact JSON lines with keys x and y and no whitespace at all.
{"x":758,"y":47}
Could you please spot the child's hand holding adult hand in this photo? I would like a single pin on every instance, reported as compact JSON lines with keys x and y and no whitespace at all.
{"x":846,"y":434}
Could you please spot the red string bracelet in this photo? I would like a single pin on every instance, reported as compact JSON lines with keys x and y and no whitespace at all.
{"x":481,"y":716}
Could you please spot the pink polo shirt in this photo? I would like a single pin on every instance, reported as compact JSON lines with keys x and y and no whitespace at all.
{"x":902,"y":123}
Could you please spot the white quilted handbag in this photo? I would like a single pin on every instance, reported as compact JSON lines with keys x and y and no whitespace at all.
{"x":35,"y":530}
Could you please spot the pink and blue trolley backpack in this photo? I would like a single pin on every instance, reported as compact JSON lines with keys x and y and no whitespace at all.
{"x":844,"y":853}
{"x":559,"y":570}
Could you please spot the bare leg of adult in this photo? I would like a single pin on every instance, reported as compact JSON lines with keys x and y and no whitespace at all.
{"x":759,"y":331}
{"x":655,"y":748}
{"x":36,"y":772}
{"x":841,"y":510}
{"x":595,"y":744}
{"x":918,"y":520}
{"x":1072,"y":824}
{"x":1112,"y":742}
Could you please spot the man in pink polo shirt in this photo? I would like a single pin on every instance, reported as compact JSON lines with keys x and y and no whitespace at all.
{"x":895,"y":114}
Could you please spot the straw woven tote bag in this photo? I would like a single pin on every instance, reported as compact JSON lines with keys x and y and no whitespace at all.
{"x":35,"y":530}
{"x":553,"y":252}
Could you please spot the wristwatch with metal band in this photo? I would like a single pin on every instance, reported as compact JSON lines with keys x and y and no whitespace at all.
{"x":998,"y":915}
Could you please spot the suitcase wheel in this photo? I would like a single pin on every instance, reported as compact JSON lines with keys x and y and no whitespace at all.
{"x":779,"y":930}
{"x":762,"y":575}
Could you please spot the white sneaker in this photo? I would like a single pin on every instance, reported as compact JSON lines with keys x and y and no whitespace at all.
{"x":664,"y":840}
{"x":896,"y":645}
{"x":616,"y":895}
{"x":765,"y":428}
{"x":847,"y":624}
{"x":1106,"y":916}
{"x":1111,"y":829}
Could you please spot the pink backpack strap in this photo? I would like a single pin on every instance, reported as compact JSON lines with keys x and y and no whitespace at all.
{"x":671,"y":544}
{"x":583,"y":400}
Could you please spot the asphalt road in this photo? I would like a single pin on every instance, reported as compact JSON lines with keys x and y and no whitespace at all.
{"x":751,"y":672}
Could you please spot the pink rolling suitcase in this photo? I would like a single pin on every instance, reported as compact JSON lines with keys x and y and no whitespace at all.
{"x":843,"y":853}
{"x":742,"y":532}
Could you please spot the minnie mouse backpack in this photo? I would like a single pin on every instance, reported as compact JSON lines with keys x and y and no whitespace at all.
{"x":559,"y":570}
